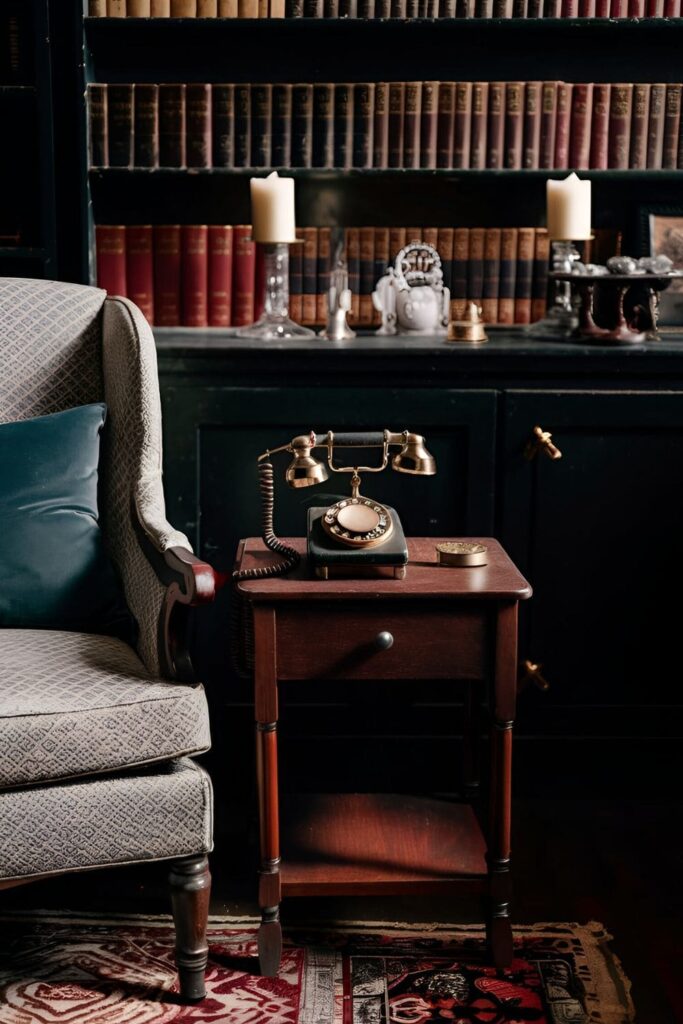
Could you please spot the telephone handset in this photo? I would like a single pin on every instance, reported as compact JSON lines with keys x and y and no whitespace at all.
{"x":356,"y":536}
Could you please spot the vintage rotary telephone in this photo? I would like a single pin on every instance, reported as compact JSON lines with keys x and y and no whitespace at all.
{"x":356,"y":536}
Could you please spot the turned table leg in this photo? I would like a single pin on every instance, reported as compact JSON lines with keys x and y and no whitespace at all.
{"x":190,"y":883}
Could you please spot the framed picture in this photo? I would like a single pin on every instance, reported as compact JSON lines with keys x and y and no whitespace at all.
{"x":661,"y":232}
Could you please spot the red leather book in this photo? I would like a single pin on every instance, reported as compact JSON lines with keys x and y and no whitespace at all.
{"x":171,"y":125}
{"x":242,"y":145}
{"x":475,"y":266}
{"x":352,"y":244}
{"x":672,"y":8}
{"x":243,"y":275}
{"x":323,"y":282}
{"x":570,"y":8}
{"x":110,"y":243}
{"x":363,"y":119}
{"x":531,"y":147}
{"x":220,"y":275}
{"x":146,"y":130}
{"x":167,"y":275}
{"x":461,"y":254}
{"x":223,"y":124}
{"x":446,"y":125}
{"x":618,"y":8}
{"x":98,"y":128}
{"x":655,"y":8}
{"x":655,"y":131}
{"x":429,"y":124}
{"x":281,"y":126}
{"x":600,"y":126}
{"x":380,"y":141}
{"x":636,"y":8}
{"x":672,"y":124}
{"x":508,"y":276}
{"x":366,"y":237}
{"x":539,"y":284}
{"x":514,"y":103}
{"x":310,"y":276}
{"x":480,"y":99}
{"x":620,"y":109}
{"x":562,"y":124}
{"x":495,"y":141}
{"x":639,"y":123}
{"x":489,"y":302}
{"x":261,"y":123}
{"x":343,"y":125}
{"x":323,"y":125}
{"x":580,"y":128}
{"x":140,"y":268}
{"x":602,"y":8}
{"x":546,"y":156}
{"x":120,"y":104}
{"x":586,"y":8}
{"x":462,"y":124}
{"x":194,"y":245}
{"x":411,"y":124}
{"x":444,"y":247}
{"x":198,"y":124}
{"x":381,"y":263}
{"x":526,"y":244}
{"x":296,"y":272}
{"x":396,"y":112}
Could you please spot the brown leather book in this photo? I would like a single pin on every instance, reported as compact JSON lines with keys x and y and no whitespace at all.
{"x":242,"y":147}
{"x":110,"y":244}
{"x":531,"y":146}
{"x":207,"y":8}
{"x":343,"y":125}
{"x":140,"y":268}
{"x":446,"y":125}
{"x":430,"y":236}
{"x":655,"y":131}
{"x":116,"y":8}
{"x":600,"y":126}
{"x":397,"y":241}
{"x":171,"y":125}
{"x":396,"y":112}
{"x":444,"y":247}
{"x":302,"y":126}
{"x":562,"y":123}
{"x":462,"y":124}
{"x":514,"y":104}
{"x":223,"y":123}
{"x":429,"y":124}
{"x":475,"y":266}
{"x":247,"y":8}
{"x":489,"y":301}
{"x":380,"y":145}
{"x":580,"y":128}
{"x":198,"y":124}
{"x":120,"y":112}
{"x":138,"y":9}
{"x":352,"y":246}
{"x":146,"y":130}
{"x":161,"y":9}
{"x":98,"y":129}
{"x":220,"y":275}
{"x":313,"y":8}
{"x":495,"y":144}
{"x":323,"y":283}
{"x":411,"y":128}
{"x":639,"y":123}
{"x":363,"y":118}
{"x":461,"y":252}
{"x":167,"y":275}
{"x":546,"y":156}
{"x":480,"y":96}
{"x":672,"y":124}
{"x":281,"y":126}
{"x":97,"y":8}
{"x":526,"y":244}
{"x":366,"y":243}
{"x":381,"y":264}
{"x":508,"y":276}
{"x":309,"y":306}
{"x":183,"y":8}
{"x":620,"y":109}
{"x":539,"y":284}
{"x":243,"y":275}
{"x":261,"y":122}
{"x":323,"y":125}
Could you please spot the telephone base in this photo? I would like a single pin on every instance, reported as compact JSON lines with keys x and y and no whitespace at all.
{"x":332,"y":561}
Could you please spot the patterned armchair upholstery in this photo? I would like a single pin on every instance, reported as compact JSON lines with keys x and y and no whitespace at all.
{"x":96,"y":739}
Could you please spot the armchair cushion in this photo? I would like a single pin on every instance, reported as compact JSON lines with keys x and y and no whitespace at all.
{"x":54,"y":569}
{"x":75,"y":704}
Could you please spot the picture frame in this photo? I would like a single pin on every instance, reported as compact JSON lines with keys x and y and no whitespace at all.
{"x":661,"y":231}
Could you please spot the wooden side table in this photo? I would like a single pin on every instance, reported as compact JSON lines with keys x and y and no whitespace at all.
{"x":457,"y":624}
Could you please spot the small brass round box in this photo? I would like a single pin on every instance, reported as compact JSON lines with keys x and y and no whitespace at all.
{"x":469,"y":330}
{"x":462,"y":553}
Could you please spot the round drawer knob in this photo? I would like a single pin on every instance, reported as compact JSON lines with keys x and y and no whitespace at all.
{"x":384,"y":640}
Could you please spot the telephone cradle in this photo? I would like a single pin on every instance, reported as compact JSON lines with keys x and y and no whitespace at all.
{"x":331,"y":561}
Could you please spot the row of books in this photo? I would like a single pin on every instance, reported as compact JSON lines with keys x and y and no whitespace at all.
{"x":385,"y":8}
{"x":199,"y":275}
{"x":515,"y":125}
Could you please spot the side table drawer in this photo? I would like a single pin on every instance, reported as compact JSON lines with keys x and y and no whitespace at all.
{"x":368,"y":642}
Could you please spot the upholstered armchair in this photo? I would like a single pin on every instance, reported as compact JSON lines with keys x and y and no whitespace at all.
{"x":96,"y":738}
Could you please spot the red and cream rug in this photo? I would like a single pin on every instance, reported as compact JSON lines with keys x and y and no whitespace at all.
{"x":86,"y":970}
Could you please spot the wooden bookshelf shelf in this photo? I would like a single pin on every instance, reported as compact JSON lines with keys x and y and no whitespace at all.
{"x":125,"y":174}
{"x":19,"y":252}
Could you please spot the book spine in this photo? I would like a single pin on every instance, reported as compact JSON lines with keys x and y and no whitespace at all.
{"x":110,"y":244}
{"x":446,"y":125}
{"x":412,"y":9}
{"x":519,"y":8}
{"x":296,"y":274}
{"x":352,"y":245}
{"x":429,"y":121}
{"x":313,"y":8}
{"x":207,"y":8}
{"x":363,"y":118}
{"x":514,"y":102}
{"x":277,"y":8}
{"x":672,"y":8}
{"x":639,"y":124}
{"x":396,"y":111}
{"x":618,"y":9}
{"x":462,"y":124}
{"x":219,"y":275}
{"x":146,"y":130}
{"x":526,"y":244}
{"x":475,"y":266}
{"x":502,"y":8}
{"x":97,"y":8}
{"x":343,"y":125}
{"x":366,"y":241}
{"x":552,"y":8}
{"x":380,"y":146}
{"x":446,"y":9}
{"x":120,"y":125}
{"x":348,"y":8}
{"x":171,"y":125}
{"x":586,"y":8}
{"x":535,"y":9}
{"x":383,"y":9}
{"x":397,"y":241}
{"x":381,"y":265}
{"x":580,"y":129}
{"x":194,"y":243}
{"x":281,"y":129}
{"x":183,"y":8}
{"x":294,"y":8}
{"x":161,"y":9}
{"x":116,"y":8}
{"x":489,"y":303}
{"x":600,"y":126}
{"x":310,"y":276}
{"x":399,"y":8}
{"x":430,"y":236}
{"x":602,"y":8}
{"x":167,"y":275}
{"x":483,"y":8}
{"x":508,"y":276}
{"x":480,"y":97}
{"x":242,"y":142}
{"x":564,"y":110}
{"x":261,"y":120}
{"x":366,"y":8}
{"x":138,"y":9}
{"x":323,"y":279}
{"x":247,"y":8}
{"x":461,"y":252}
{"x":546,"y":157}
{"x":243,"y":275}
{"x":655,"y":132}
{"x":444,"y":247}
{"x":97,"y":123}
{"x":411,"y":128}
{"x":198,"y":125}
{"x":323,"y":126}
{"x":636,"y":8}
{"x":495,"y":144}
{"x":672,"y":125}
{"x":223,"y":121}
{"x":140,"y":268}
{"x":570,"y":8}
{"x":655,"y":8}
{"x":539,"y":284}
{"x":531,"y":150}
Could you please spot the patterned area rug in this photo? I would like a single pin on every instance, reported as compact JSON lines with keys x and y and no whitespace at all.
{"x":81,"y":970}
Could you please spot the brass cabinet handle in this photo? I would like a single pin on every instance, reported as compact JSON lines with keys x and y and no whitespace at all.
{"x":530,"y":672}
{"x":384,"y":640}
{"x":540,"y":441}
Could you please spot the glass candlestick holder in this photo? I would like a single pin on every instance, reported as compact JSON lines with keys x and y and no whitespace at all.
{"x":561,"y":319}
{"x":275,"y":321}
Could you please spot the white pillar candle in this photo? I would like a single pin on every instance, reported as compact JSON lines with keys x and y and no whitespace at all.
{"x":272,"y":209}
{"x":569,"y":209}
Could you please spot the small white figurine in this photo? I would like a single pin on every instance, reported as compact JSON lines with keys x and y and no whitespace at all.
{"x":338,"y":303}
{"x":411,"y":296}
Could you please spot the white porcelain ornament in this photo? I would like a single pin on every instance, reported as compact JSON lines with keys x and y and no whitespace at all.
{"x":411,"y":296}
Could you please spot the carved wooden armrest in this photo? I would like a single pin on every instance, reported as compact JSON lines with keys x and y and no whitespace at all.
{"x":190,"y":581}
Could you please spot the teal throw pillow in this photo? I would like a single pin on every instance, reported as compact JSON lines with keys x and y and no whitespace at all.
{"x":54,"y":571}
